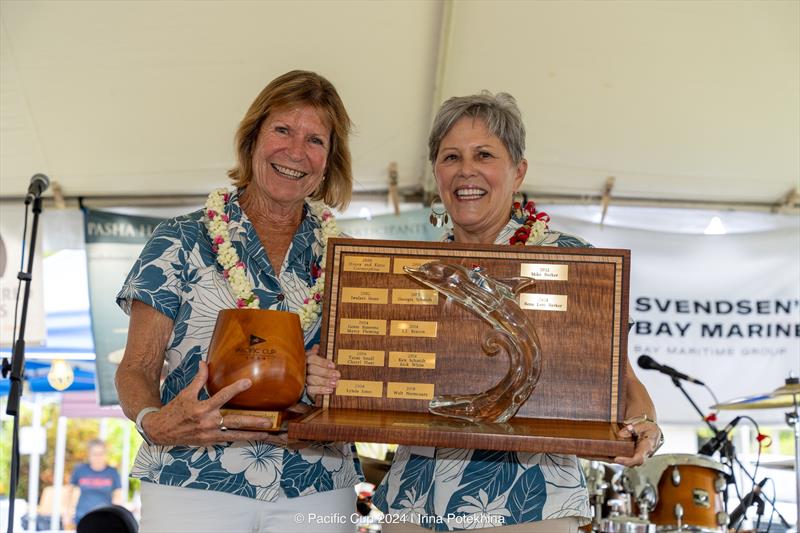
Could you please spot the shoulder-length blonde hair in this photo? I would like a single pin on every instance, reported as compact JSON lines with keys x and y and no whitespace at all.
{"x":300,"y":87}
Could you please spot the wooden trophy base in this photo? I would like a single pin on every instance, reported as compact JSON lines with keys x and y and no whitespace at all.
{"x":277,"y":418}
{"x":589,"y":439}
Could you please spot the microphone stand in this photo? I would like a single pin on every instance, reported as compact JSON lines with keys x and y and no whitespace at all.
{"x":729,"y":452}
{"x":17,"y":366}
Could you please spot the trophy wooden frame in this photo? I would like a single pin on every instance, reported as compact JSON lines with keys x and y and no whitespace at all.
{"x":396,"y":343}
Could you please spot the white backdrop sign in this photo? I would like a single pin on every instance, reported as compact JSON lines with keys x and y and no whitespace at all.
{"x":11,"y":226}
{"x":724,"y":309}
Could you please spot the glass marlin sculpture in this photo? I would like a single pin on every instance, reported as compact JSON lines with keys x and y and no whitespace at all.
{"x":495,"y":301}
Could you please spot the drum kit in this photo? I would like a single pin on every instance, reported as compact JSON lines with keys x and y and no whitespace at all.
{"x":680,"y":492}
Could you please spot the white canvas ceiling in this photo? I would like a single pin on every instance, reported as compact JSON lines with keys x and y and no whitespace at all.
{"x":691,"y":101}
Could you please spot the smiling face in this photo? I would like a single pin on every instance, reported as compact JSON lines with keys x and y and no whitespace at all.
{"x":290,"y":155}
{"x":477,"y":179}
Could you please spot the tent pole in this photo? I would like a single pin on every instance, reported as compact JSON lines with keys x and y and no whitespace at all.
{"x":33,"y":471}
{"x":58,"y":472}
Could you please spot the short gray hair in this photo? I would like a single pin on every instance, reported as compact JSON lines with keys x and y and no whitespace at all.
{"x":499,"y":112}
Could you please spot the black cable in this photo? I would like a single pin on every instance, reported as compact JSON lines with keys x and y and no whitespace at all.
{"x":714,"y":396}
{"x":774,"y":497}
{"x":753,"y":476}
{"x":21,"y":269}
{"x":758,"y":455}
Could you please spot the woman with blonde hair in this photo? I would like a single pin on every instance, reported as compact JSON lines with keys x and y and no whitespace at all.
{"x":259,"y":245}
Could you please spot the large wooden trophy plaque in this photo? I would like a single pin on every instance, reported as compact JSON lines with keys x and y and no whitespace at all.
{"x":397,"y":343}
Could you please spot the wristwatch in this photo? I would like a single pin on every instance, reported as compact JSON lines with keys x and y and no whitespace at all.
{"x":140,"y":429}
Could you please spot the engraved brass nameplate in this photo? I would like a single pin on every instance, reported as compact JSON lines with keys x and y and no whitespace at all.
{"x":363,"y":326}
{"x":543,"y":302}
{"x":361,"y":357}
{"x":423,"y":360}
{"x":544,"y":271}
{"x":365,"y":389}
{"x":364,"y":295}
{"x":412,"y":262}
{"x":365,"y":263}
{"x":409,"y":391}
{"x":415,"y":296}
{"x":412,"y":328}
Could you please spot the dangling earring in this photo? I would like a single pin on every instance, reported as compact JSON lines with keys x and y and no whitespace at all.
{"x":517,"y":202}
{"x":438,"y":216}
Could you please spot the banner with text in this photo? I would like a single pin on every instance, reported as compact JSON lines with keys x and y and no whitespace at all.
{"x":11,"y":263}
{"x":113,"y":243}
{"x":724,"y":309}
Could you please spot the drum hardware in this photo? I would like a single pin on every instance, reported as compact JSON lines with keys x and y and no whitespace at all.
{"x":676,"y":477}
{"x":700,"y":498}
{"x":787,"y":395}
{"x":679,"y":515}
{"x":646,"y":502}
{"x":626,"y":524}
{"x":720,"y":483}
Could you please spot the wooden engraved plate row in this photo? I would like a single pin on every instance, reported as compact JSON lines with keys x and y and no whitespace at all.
{"x":397,"y":343}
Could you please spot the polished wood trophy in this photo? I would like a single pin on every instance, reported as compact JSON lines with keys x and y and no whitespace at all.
{"x":265,"y":347}
{"x":401,"y":346}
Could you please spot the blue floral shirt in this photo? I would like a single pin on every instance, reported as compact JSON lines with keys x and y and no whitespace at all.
{"x":450,"y":489}
{"x":178,"y":275}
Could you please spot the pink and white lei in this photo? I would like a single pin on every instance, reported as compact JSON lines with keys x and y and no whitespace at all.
{"x":235,"y":272}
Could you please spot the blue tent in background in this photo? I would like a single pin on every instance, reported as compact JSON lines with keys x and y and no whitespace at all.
{"x":36,"y":377}
{"x":68,"y":333}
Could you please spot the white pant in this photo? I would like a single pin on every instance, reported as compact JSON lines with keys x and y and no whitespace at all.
{"x":176,"y":510}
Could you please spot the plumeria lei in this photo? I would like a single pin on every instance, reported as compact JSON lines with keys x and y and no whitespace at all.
{"x":235,"y":272}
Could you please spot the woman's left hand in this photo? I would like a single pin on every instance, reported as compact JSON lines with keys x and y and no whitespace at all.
{"x":321,"y":374}
{"x":647,"y":436}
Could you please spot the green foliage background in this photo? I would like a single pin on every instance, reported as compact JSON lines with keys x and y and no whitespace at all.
{"x":79,"y":432}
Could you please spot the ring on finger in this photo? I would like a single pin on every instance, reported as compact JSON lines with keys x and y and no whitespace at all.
{"x":222,"y":424}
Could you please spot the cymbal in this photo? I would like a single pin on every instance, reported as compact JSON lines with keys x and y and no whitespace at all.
{"x":784,"y":396}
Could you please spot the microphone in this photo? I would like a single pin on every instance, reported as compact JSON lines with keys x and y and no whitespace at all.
{"x":39,"y":184}
{"x":647,"y":362}
{"x":711,"y":447}
{"x":746,"y":502}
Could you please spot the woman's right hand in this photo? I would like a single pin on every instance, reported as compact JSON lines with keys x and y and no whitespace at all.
{"x":321,"y":374}
{"x":188,"y":421}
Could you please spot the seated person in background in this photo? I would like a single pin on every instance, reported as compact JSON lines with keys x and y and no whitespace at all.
{"x":94,"y":484}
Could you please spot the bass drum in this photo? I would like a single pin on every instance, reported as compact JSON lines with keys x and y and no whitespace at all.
{"x":679,"y":492}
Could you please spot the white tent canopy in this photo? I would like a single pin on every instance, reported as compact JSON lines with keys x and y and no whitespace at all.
{"x":689,"y":101}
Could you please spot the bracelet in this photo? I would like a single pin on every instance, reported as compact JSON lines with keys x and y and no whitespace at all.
{"x":644,"y":417}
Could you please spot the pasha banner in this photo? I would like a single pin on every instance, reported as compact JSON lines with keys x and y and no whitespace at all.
{"x":12,"y":219}
{"x":113,"y":243}
{"x":724,"y":309}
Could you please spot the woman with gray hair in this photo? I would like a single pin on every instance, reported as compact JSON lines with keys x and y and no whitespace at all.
{"x":477,"y":147}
